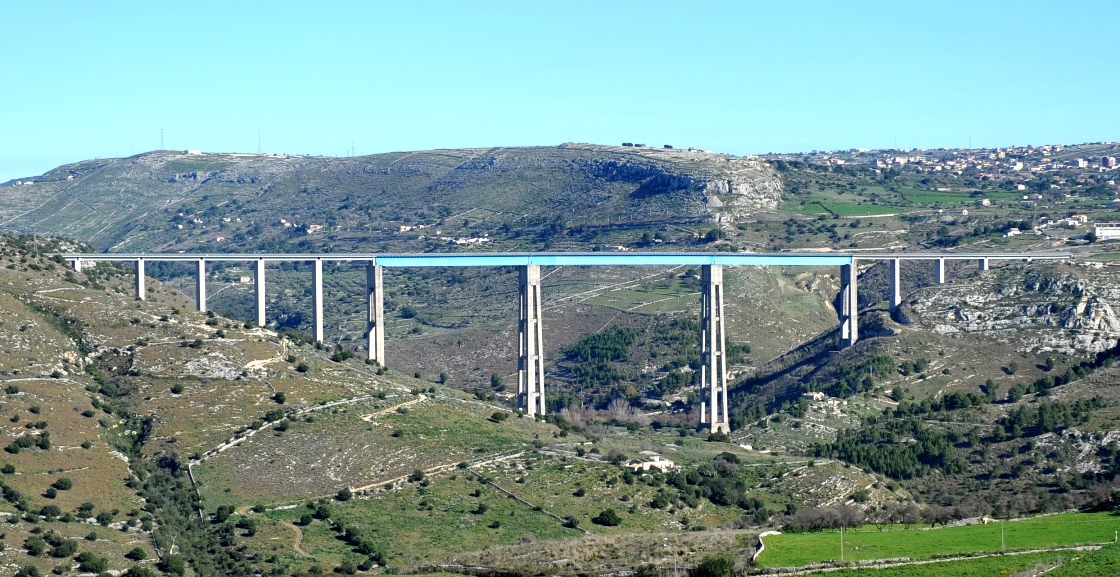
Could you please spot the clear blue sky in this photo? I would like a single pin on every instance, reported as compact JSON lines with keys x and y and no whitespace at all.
{"x":100,"y":79}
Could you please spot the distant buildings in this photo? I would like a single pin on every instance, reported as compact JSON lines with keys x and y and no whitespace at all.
{"x":1108,"y":162}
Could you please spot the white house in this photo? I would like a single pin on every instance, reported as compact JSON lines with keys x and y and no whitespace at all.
{"x":654,"y":462}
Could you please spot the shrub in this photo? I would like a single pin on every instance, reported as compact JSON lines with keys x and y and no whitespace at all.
{"x":344,"y":494}
{"x":608,"y":518}
{"x":63,"y":484}
{"x":714,"y":566}
{"x":137,"y":554}
{"x":177,"y":389}
{"x":35,"y":545}
{"x":91,"y":563}
{"x":66,"y":548}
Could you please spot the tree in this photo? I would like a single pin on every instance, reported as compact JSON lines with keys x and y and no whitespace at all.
{"x":137,"y":554}
{"x":713,"y":235}
{"x":344,"y":494}
{"x":174,"y":564}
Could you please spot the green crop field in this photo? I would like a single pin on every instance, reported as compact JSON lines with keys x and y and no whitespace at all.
{"x":855,"y":209}
{"x":936,"y":196}
{"x":1065,"y":529}
{"x":1102,"y":563}
{"x":995,"y":565}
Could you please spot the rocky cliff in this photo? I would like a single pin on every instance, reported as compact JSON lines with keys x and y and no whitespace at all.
{"x":1038,"y":308}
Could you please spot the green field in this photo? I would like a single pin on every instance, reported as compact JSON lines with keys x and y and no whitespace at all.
{"x":841,"y":209}
{"x":996,"y":565}
{"x":854,"y":209}
{"x":1060,"y":530}
{"x":1102,"y":563}
{"x":936,"y":196}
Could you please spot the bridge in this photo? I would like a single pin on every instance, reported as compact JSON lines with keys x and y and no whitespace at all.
{"x":714,"y":412}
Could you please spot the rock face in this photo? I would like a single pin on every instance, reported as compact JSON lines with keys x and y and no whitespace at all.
{"x":1056,"y":308}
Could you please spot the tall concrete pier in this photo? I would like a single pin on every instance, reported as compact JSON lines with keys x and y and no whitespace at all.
{"x":713,"y":359}
{"x":896,"y":284}
{"x":200,"y":286}
{"x":141,"y":293}
{"x":258,"y":288}
{"x":317,"y":297}
{"x":849,"y":305}
{"x":375,"y":330}
{"x":530,"y":362}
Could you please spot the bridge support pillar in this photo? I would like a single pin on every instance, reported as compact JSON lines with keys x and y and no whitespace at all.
{"x":258,"y":287}
{"x":141,"y":293}
{"x":983,"y":264}
{"x":530,"y":364}
{"x":849,"y":305}
{"x":939,"y":271}
{"x":200,"y":285}
{"x":713,"y":360}
{"x":896,"y":284}
{"x":317,"y":297}
{"x":376,"y":308}
{"x":77,"y":265}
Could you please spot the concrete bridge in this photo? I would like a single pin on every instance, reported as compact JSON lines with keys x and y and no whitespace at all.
{"x":714,"y":412}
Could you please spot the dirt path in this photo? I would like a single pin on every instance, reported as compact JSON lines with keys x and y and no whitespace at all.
{"x":419,"y":399}
{"x":298,"y":545}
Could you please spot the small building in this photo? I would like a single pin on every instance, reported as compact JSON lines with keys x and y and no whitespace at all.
{"x":1020,"y":187}
{"x":984,"y":202}
{"x":1107,"y":231}
{"x":814,"y":396}
{"x":653,"y":462}
{"x":1013,"y":232}
{"x":192,"y":152}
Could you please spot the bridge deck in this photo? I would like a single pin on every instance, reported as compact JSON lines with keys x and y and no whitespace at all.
{"x":569,"y":259}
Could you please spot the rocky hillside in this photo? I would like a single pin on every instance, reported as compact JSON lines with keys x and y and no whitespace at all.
{"x":175,"y":201}
{"x":1061,"y":309}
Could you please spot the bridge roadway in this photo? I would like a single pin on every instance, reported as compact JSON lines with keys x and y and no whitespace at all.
{"x":714,"y":412}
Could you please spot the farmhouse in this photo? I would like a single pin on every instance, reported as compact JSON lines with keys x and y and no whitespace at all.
{"x":653,"y":462}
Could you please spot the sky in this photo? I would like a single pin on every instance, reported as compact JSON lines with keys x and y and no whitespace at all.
{"x":87,"y":80}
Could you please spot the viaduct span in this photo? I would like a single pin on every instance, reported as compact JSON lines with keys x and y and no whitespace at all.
{"x":714,"y":412}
